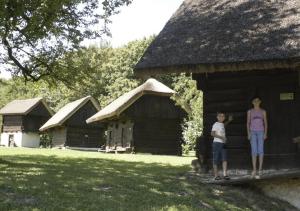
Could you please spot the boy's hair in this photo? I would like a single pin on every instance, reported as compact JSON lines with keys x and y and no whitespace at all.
{"x":220,"y":112}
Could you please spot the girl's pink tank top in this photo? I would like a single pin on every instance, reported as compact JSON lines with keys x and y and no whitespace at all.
{"x":257,"y":120}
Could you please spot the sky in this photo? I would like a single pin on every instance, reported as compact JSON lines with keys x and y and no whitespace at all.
{"x":142,"y":18}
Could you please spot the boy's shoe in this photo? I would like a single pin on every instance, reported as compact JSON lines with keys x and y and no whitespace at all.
{"x":218,"y":178}
{"x":253,"y":174}
{"x":226,"y":177}
{"x":257,"y":176}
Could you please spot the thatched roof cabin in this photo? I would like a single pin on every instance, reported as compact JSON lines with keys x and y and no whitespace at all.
{"x":143,"y":120}
{"x":115,"y":108}
{"x":21,"y":122}
{"x":23,"y":107}
{"x":235,"y":50}
{"x":206,"y":36}
{"x":69,"y":128}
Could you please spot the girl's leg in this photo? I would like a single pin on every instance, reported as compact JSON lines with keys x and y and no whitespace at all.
{"x":261,"y":160}
{"x":260,"y":150}
{"x":253,"y":141}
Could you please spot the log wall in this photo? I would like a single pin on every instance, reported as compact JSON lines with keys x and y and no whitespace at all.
{"x":232,"y":93}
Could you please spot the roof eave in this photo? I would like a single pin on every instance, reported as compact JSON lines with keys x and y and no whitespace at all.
{"x":293,"y":63}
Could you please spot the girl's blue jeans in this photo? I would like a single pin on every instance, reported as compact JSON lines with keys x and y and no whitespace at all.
{"x":257,"y":142}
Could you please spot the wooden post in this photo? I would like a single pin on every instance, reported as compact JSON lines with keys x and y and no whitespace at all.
{"x":299,"y":77}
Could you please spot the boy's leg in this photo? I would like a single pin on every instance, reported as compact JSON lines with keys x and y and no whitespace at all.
{"x":224,"y":161}
{"x":215,"y":170}
{"x":254,"y":151}
{"x":224,"y":164}
{"x":216,"y":157}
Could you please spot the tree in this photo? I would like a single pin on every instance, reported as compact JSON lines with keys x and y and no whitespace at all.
{"x":106,"y":73}
{"x":36,"y":34}
{"x":191,"y":100}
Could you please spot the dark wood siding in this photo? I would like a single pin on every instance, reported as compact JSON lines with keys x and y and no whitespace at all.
{"x":150,"y":106}
{"x":81,"y":134}
{"x":79,"y":117}
{"x":157,"y":136}
{"x":39,"y":110}
{"x":157,"y":125}
{"x":32,"y":123}
{"x":231,"y":92}
{"x":85,"y":137}
{"x":12,"y":123}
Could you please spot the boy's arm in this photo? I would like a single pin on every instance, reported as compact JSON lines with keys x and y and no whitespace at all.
{"x":214,"y":134}
{"x":230,"y":118}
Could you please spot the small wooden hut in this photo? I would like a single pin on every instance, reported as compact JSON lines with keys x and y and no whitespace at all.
{"x":21,"y":120}
{"x":143,"y":120}
{"x":69,"y":129}
{"x":235,"y":50}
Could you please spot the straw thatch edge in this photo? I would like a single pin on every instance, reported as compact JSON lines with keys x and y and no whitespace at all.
{"x":220,"y":67}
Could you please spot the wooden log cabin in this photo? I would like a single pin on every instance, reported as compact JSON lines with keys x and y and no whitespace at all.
{"x":144,"y":120}
{"x":21,"y":120}
{"x":235,"y":50}
{"x":69,"y":129}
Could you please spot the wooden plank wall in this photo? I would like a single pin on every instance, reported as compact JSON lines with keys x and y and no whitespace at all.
{"x":81,"y":134}
{"x":151,"y":106}
{"x":119,"y":134}
{"x":158,"y":136}
{"x":231,"y":93}
{"x":84,"y":137}
{"x":12,"y":123}
{"x":32,"y":123}
{"x":157,"y":128}
{"x":78,"y":119}
{"x":40,"y":110}
{"x":59,"y":137}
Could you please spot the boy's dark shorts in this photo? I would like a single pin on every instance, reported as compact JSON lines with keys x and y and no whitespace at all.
{"x":219,"y":153}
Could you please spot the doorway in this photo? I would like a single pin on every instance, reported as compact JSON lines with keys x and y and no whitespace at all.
{"x":11,"y":140}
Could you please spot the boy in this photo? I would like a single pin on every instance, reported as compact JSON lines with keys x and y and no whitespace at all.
{"x":219,"y":151}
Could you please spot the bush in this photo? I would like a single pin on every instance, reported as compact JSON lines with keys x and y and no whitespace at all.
{"x":46,"y":140}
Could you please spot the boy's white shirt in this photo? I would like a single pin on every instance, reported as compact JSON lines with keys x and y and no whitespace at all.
{"x":219,"y":129}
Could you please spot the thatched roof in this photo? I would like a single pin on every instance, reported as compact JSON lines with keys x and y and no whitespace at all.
{"x":23,"y":107}
{"x":151,"y":86}
{"x":226,"y":35}
{"x":67,"y":111}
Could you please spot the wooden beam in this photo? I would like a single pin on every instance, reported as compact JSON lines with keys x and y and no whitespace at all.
{"x":299,"y":77}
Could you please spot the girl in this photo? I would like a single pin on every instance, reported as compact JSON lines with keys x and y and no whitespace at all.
{"x":257,"y":127}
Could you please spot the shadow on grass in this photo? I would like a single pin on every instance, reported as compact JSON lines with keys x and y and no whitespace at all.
{"x":62,"y":183}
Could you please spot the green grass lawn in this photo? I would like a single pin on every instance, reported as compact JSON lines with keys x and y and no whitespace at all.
{"x":45,"y":179}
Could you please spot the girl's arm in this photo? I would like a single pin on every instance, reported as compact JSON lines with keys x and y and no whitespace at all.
{"x":266,"y":125}
{"x":248,"y":124}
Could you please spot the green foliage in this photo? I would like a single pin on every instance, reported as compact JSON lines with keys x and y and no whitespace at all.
{"x":36,"y":34}
{"x":46,"y":140}
{"x":191,"y":100}
{"x":106,"y":73}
